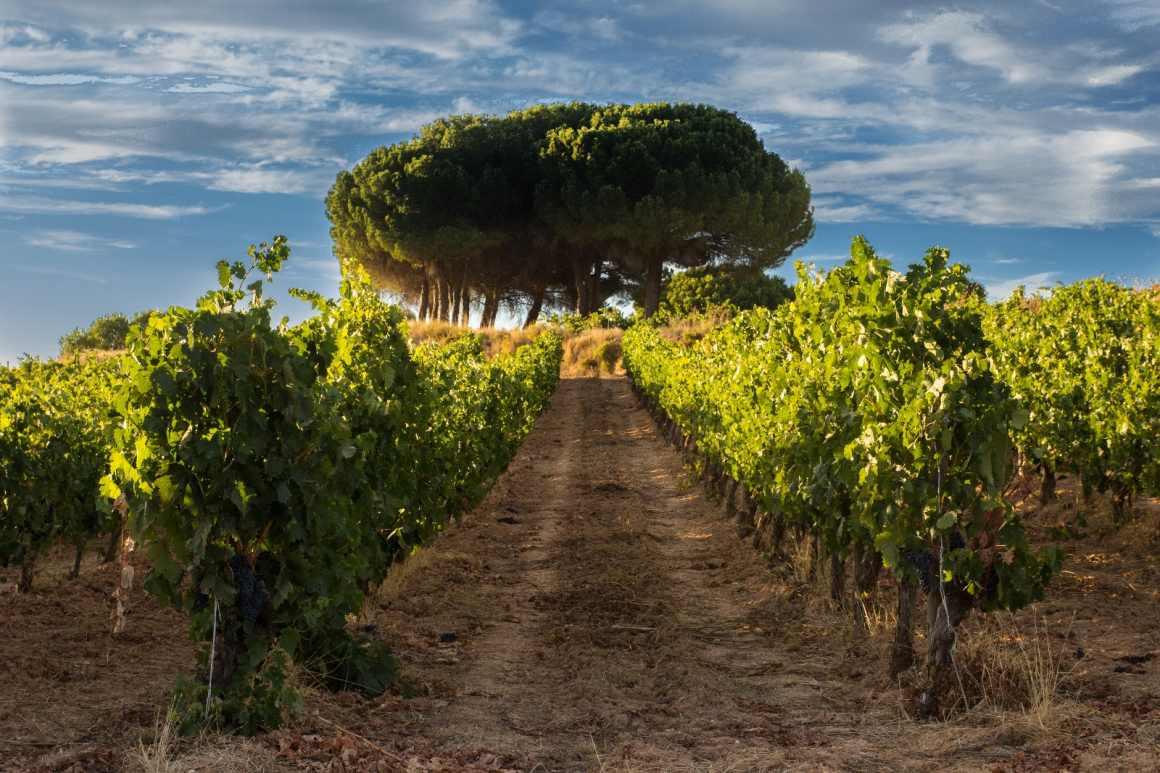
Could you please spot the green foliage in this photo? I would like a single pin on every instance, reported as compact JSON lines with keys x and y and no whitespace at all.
{"x":106,"y":333}
{"x":1083,"y":361}
{"x":569,"y":203}
{"x":605,"y":317}
{"x":54,"y":430}
{"x":275,"y":472}
{"x":699,"y":291}
{"x":867,"y":411}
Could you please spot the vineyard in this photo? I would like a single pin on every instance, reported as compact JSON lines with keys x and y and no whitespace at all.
{"x":378,"y":572}
{"x":273,"y":474}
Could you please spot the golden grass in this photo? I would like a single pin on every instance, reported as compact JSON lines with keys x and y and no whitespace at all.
{"x":163,"y":752}
{"x":92,"y":355}
{"x":495,"y":340}
{"x":593,"y":352}
{"x":687,"y":332}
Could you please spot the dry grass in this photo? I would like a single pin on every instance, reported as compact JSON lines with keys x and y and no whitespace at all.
{"x":156,"y":757}
{"x":400,"y":576}
{"x":1014,"y":676}
{"x":92,"y":355}
{"x":593,"y":352}
{"x":688,"y":331}
{"x":168,"y":754}
{"x":495,"y":340}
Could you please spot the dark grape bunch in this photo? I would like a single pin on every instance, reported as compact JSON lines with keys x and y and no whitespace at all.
{"x":200,"y":600}
{"x":924,"y":563}
{"x":251,"y":591}
{"x":991,"y":587}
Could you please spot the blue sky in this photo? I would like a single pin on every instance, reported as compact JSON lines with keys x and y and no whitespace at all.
{"x":143,"y":140}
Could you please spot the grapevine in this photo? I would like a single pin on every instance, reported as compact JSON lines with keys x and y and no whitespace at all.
{"x":868,"y":413}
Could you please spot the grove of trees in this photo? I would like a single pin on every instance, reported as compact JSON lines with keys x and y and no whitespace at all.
{"x":564,"y":206}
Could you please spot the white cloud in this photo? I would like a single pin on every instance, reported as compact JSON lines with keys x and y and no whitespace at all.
{"x":1113,"y":75}
{"x":209,"y":88}
{"x":47,"y":206}
{"x":259,"y":180}
{"x":1024,"y":178}
{"x":74,"y":241}
{"x":833,"y":212}
{"x":1134,"y":14}
{"x":1001,"y":290}
{"x":913,"y":126}
{"x":969,"y":38}
{"x":65,"y":79}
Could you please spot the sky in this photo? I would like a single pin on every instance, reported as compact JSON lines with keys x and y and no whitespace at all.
{"x":141,"y":141}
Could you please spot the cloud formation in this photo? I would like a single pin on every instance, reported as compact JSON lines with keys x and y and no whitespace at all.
{"x":989,"y":114}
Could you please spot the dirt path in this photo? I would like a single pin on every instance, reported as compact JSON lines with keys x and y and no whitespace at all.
{"x":603,"y":610}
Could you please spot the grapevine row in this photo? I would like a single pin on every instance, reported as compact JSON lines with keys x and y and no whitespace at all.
{"x":54,"y":433}
{"x":868,"y":414}
{"x":1085,"y":361}
{"x":273,"y":473}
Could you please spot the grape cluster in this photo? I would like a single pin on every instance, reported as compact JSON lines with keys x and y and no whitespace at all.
{"x":92,"y":521}
{"x":200,"y":600}
{"x":991,"y":587}
{"x":924,"y":563}
{"x":251,"y":591}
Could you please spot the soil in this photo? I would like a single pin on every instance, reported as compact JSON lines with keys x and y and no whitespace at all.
{"x":599,"y":613}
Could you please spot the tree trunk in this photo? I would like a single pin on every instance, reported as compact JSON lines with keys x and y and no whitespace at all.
{"x":817,"y":556}
{"x":444,"y":300}
{"x":490,"y":308}
{"x":594,"y":286}
{"x":76,"y":570}
{"x":465,"y":306}
{"x":1047,"y":491}
{"x":463,"y":297}
{"x":425,"y":300}
{"x":748,"y":513}
{"x":838,"y":580}
{"x":947,"y":605}
{"x":777,"y":536}
{"x":113,"y":551}
{"x":902,"y":652}
{"x":534,"y":312}
{"x":456,"y":291}
{"x":1120,"y":502}
{"x":652,"y":288}
{"x":857,"y":555}
{"x":941,"y":632}
{"x":27,"y":573}
{"x":582,"y":275}
{"x":730,"y":499}
{"x":866,"y":566}
{"x":746,"y":516}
